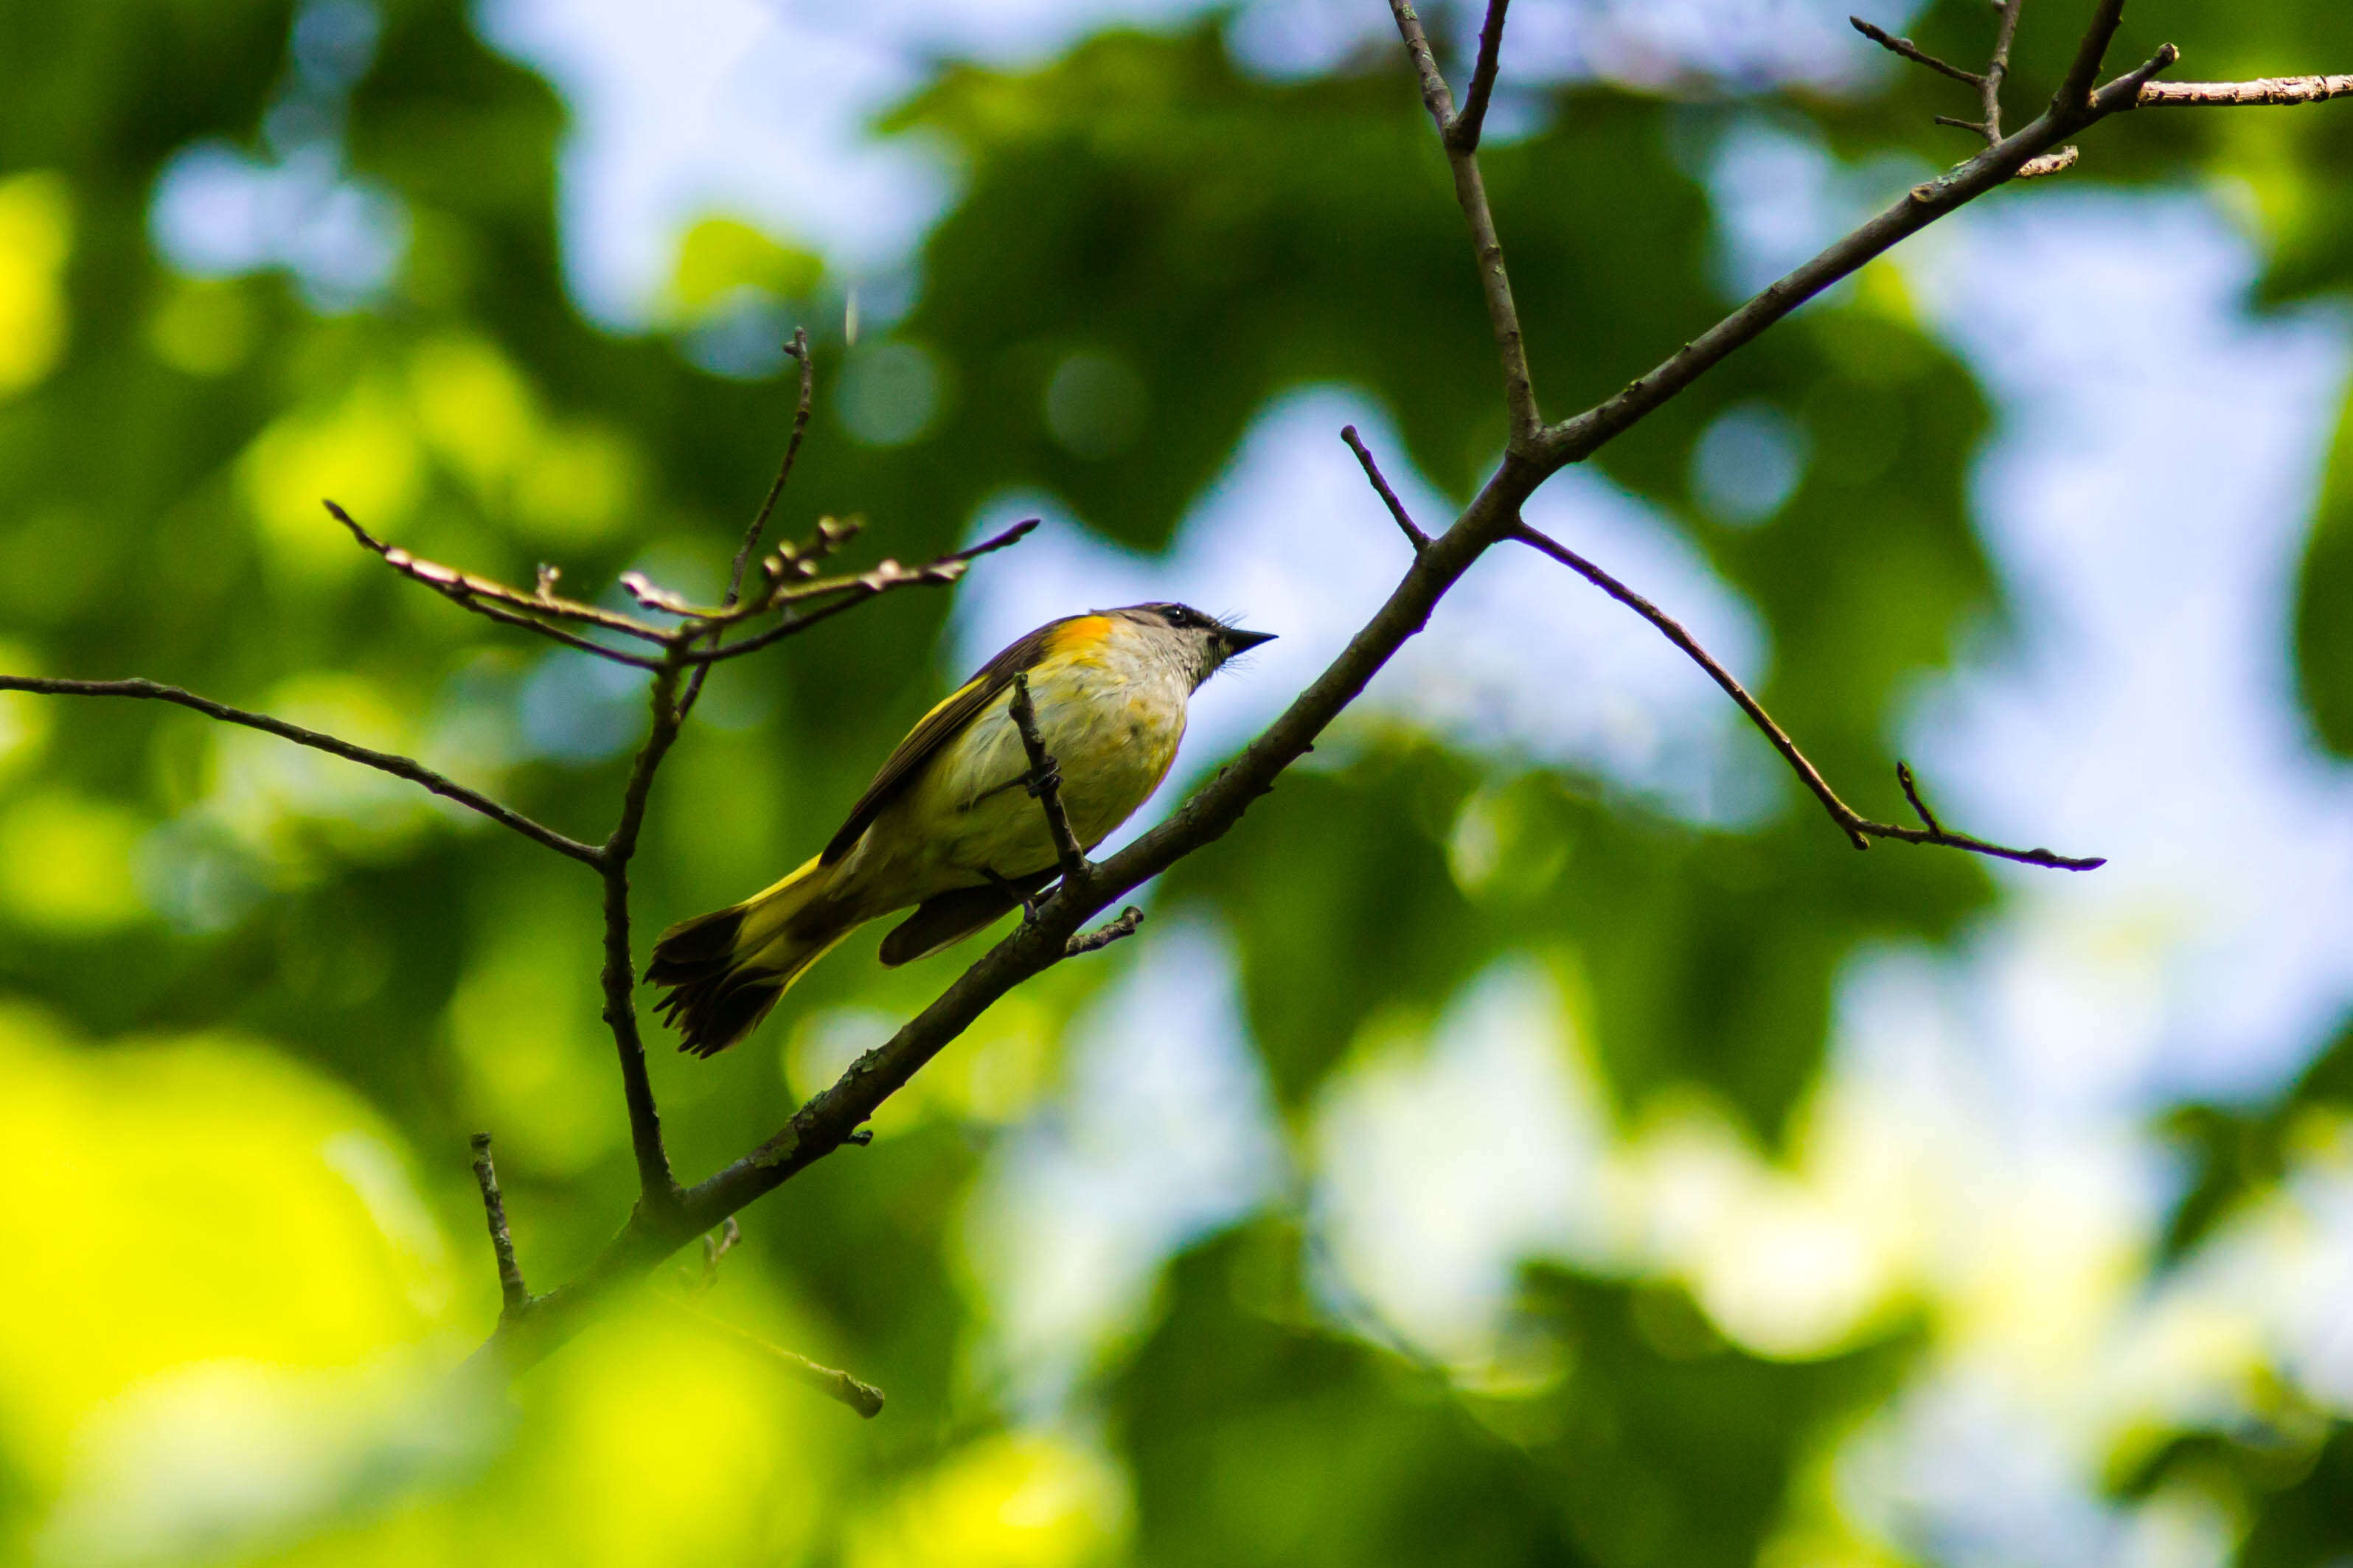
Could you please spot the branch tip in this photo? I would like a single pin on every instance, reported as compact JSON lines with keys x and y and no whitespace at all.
{"x":1859,"y":829}
{"x":513,"y":1298}
{"x":391,"y":763}
{"x":1105,"y":935}
{"x":797,"y":347}
{"x":2265,"y":92}
{"x":1911,"y":51}
{"x":2053,"y":163}
{"x":1911,"y":793}
{"x":835,"y":1384}
{"x":1414,"y":535}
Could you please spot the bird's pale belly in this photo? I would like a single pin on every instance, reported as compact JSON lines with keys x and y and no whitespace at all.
{"x":1113,"y":732}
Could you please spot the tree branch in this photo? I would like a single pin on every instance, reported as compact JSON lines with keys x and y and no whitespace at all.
{"x":2054,"y":162}
{"x":799,"y":348}
{"x":862,"y":1397}
{"x":1462,"y":130}
{"x":1413,"y":535}
{"x":656,"y":1184}
{"x":1525,"y":420}
{"x":1102,"y":936}
{"x":1859,"y":829}
{"x":1912,"y":51}
{"x":2272,"y":91}
{"x":398,"y":766}
{"x":1579,"y":438}
{"x":2075,"y":94}
{"x":511,"y":606}
{"x":513,"y":1297}
{"x":1997,"y":70}
{"x":848,"y":592}
{"x":1045,"y":782}
{"x":788,"y":572}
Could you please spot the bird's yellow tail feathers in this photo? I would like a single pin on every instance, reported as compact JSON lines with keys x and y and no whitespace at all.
{"x":725,"y":970}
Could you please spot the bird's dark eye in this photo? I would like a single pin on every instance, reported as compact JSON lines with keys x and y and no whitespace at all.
{"x":1177,"y":615}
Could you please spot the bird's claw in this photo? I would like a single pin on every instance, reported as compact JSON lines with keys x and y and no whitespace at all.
{"x":1030,"y":902}
{"x":1046,"y":775}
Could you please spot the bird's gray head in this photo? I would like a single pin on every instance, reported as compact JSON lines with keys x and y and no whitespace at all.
{"x":1199,"y":643}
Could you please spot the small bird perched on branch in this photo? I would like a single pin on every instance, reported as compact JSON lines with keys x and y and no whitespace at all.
{"x":949,"y":826}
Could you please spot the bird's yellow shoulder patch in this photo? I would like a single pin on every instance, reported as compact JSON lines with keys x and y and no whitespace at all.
{"x":1078,"y":637}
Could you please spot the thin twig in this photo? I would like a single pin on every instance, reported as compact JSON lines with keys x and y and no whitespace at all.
{"x":853,"y":591}
{"x":1911,"y":788}
{"x":1525,"y":420}
{"x":799,"y":348}
{"x":2054,"y":162}
{"x":862,"y":1397}
{"x":792,"y":566}
{"x":485,"y":596}
{"x":656,"y":1184}
{"x":1045,"y":782}
{"x":1436,"y":96}
{"x":1414,"y":536}
{"x":399,"y":767}
{"x":1912,"y":51}
{"x":2074,"y":95}
{"x":1580,"y":437}
{"x":1997,"y":70}
{"x":1859,"y":829}
{"x":716,"y":1245}
{"x":513,"y":1297}
{"x":1462,"y":130}
{"x":2274,"y":91}
{"x":1102,"y":936}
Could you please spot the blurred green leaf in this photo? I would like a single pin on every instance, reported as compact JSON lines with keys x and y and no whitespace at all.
{"x":1258,"y":1438}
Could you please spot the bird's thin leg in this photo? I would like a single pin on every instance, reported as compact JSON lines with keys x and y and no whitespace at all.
{"x":1030,"y":901}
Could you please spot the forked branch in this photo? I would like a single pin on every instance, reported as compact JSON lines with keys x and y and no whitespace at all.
{"x":511,"y":606}
{"x":799,"y":350}
{"x":1859,"y":829}
{"x":1460,"y":135}
{"x":1462,"y":130}
{"x":1579,"y":438}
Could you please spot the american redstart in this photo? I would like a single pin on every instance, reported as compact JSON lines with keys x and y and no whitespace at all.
{"x":947,"y":825}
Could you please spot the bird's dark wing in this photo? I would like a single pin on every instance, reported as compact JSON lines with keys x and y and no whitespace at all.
{"x":936,"y":728}
{"x":945,"y":921}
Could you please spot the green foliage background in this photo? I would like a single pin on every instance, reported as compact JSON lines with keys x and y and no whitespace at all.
{"x":253,"y":1005}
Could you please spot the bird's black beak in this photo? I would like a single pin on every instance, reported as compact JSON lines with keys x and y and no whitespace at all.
{"x":1239,"y":641}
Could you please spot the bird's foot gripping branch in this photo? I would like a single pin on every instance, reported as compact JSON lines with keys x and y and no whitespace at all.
{"x":792,"y":591}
